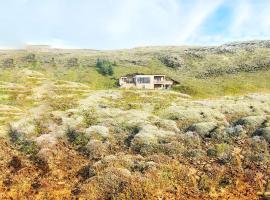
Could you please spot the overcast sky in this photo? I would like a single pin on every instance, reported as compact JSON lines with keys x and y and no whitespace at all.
{"x":114,"y":24}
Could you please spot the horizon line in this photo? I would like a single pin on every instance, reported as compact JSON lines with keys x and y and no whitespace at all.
{"x":63,"y":47}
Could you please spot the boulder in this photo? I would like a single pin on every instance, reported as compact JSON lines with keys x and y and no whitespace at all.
{"x":203,"y":128}
{"x":46,"y":140}
{"x":264,"y":132}
{"x":97,"y":149}
{"x":237,"y":130}
{"x":251,"y":121}
{"x":150,"y":134}
{"x":97,"y":131}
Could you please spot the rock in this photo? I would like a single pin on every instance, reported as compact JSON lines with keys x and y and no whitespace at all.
{"x":169,"y":125}
{"x":97,"y":149}
{"x":25,"y":127}
{"x":97,"y":131}
{"x":195,"y":114}
{"x":251,"y":121}
{"x":264,"y":132}
{"x":46,"y":153}
{"x":150,"y":134}
{"x":46,"y":140}
{"x":203,"y":128}
{"x":237,"y":130}
{"x":172,"y":61}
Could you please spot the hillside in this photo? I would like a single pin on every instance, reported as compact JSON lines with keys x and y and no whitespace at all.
{"x":202,"y":71}
{"x":68,"y":132}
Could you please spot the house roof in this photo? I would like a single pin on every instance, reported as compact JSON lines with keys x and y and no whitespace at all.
{"x":140,"y":74}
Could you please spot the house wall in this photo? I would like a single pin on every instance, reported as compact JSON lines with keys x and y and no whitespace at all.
{"x":159,"y":83}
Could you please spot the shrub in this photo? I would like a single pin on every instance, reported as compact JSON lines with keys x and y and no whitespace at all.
{"x":76,"y":138}
{"x":89,"y":117}
{"x":72,"y":62}
{"x":41,"y":163}
{"x":224,"y":182}
{"x":28,"y":147}
{"x":8,"y":63}
{"x":86,"y":172}
{"x":205,"y":183}
{"x":212,"y":152}
{"x":132,"y":132}
{"x":104,"y":67}
{"x":15,"y":163}
{"x":14,"y":135}
{"x":192,"y":153}
{"x":30,"y":58}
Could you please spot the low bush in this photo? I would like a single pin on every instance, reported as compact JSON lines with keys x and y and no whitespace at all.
{"x":104,"y":67}
{"x":76,"y":138}
{"x":89,"y":117}
{"x":28,"y":147}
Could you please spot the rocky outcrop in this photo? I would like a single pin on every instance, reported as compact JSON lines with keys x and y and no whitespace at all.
{"x":175,"y":62}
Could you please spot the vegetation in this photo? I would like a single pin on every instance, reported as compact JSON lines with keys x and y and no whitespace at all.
{"x":104,"y":67}
{"x":72,"y":62}
{"x":73,"y":134}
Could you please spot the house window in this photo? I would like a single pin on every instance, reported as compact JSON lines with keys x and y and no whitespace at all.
{"x":158,"y":78}
{"x":143,"y":80}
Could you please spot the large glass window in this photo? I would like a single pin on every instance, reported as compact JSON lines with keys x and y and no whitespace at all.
{"x":143,"y":80}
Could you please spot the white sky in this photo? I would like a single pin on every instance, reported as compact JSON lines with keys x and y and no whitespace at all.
{"x":113,"y":24}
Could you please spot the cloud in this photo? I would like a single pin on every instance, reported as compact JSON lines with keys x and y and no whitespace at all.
{"x":252,"y":19}
{"x":154,"y":21}
{"x":234,"y":21}
{"x":242,"y":11}
{"x":107,"y":24}
{"x":195,"y":17}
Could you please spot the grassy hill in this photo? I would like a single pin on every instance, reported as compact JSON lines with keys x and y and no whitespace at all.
{"x":202,"y":71}
{"x":68,"y":132}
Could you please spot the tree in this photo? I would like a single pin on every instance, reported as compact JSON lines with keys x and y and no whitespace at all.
{"x":104,"y":67}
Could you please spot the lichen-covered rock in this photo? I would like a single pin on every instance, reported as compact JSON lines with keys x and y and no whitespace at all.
{"x":251,"y":121}
{"x":97,"y":132}
{"x":264,"y":132}
{"x":26,"y":127}
{"x":172,"y":61}
{"x":166,"y":124}
{"x":46,"y":140}
{"x":237,"y":130}
{"x":150,"y":134}
{"x":191,"y":139}
{"x":97,"y":149}
{"x":195,"y":114}
{"x":203,"y":128}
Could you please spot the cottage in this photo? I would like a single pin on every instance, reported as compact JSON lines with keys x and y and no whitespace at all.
{"x":145,"y":82}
